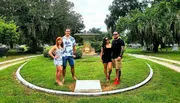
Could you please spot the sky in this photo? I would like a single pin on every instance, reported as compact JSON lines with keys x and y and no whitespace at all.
{"x":93,"y":11}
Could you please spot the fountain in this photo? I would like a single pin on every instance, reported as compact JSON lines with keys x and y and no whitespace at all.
{"x":87,"y":37}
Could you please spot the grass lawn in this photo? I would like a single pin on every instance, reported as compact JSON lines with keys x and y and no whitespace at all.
{"x":88,"y":68}
{"x":174,"y":55}
{"x":163,"y":88}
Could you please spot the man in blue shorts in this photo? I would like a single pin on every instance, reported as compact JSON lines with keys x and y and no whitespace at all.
{"x":69,"y":52}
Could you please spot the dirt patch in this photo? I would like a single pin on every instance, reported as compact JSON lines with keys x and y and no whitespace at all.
{"x":72,"y":86}
{"x":14,"y":75}
{"x":107,"y":86}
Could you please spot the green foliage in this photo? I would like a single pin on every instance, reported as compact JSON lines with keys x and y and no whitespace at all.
{"x":101,"y":34}
{"x":78,"y":53}
{"x":8,"y":32}
{"x":35,"y":50}
{"x":121,"y":8}
{"x":41,"y":21}
{"x":45,"y":52}
{"x":155,"y":25}
{"x":97,"y":45}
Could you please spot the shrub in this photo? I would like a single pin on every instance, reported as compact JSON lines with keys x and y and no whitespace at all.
{"x":78,"y":53}
{"x":97,"y":46}
{"x":35,"y":49}
{"x":8,"y":32}
{"x":46,"y":50}
{"x":40,"y":49}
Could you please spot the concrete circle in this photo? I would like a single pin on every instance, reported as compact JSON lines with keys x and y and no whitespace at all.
{"x":32,"y":86}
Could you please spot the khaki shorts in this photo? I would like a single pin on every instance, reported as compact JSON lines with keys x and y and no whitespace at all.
{"x":117,"y":63}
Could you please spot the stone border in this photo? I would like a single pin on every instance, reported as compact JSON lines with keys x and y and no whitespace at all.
{"x":32,"y":86}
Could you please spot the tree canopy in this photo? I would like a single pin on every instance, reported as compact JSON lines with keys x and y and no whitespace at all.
{"x":121,"y":8}
{"x":8,"y":32}
{"x":41,"y":21}
{"x":156,"y":25}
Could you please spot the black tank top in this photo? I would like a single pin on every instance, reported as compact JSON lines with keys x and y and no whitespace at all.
{"x":107,"y":52}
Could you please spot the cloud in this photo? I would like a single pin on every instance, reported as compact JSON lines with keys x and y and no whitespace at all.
{"x":93,"y":11}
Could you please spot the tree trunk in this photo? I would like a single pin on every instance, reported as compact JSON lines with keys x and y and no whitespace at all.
{"x":155,"y":49}
{"x":156,"y":45}
{"x":11,"y":44}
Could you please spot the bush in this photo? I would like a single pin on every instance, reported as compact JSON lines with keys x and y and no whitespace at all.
{"x":8,"y":32}
{"x":45,"y":52}
{"x":40,"y":49}
{"x":97,"y":46}
{"x":78,"y":53}
{"x":3,"y":50}
{"x":35,"y":49}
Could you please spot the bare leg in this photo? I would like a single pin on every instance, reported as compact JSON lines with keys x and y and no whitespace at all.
{"x":105,"y":71}
{"x":58,"y":75}
{"x":118,"y":74}
{"x":73,"y":73}
{"x":109,"y":70}
{"x":64,"y":73}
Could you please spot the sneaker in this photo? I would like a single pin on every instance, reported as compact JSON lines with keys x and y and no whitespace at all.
{"x":116,"y":81}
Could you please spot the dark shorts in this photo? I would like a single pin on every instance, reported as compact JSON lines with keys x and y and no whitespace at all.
{"x":106,"y":59}
{"x":70,"y":59}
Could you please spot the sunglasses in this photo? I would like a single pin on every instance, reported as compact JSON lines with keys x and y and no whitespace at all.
{"x":106,"y":39}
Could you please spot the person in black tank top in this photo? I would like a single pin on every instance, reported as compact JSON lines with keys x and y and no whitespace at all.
{"x":105,"y":55}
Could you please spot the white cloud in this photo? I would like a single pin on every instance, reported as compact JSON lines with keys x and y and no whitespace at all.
{"x":93,"y":11}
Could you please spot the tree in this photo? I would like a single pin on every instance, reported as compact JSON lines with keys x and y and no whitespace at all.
{"x":41,"y":21}
{"x":156,"y":25}
{"x":8,"y":32}
{"x":121,"y":8}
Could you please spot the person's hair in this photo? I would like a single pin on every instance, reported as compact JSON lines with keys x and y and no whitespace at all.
{"x":57,"y":39}
{"x":117,"y":32}
{"x":104,"y":42}
{"x":67,"y":28}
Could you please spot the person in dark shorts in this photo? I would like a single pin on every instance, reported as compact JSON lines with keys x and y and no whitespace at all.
{"x":106,"y":53}
{"x":117,"y":53}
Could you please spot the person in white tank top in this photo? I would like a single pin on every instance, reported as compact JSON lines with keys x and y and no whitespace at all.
{"x":56,"y":52}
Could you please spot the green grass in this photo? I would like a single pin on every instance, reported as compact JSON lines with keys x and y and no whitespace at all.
{"x":163,"y":88}
{"x":174,"y":55}
{"x":86,"y":69}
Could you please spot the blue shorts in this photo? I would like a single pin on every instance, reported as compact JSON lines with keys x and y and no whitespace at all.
{"x":70,"y":59}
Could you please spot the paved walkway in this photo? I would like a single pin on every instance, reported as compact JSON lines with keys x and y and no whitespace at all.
{"x":15,"y":61}
{"x":164,"y":62}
